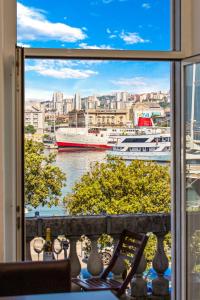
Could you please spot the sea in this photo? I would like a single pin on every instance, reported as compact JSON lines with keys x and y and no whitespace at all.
{"x":74,"y":165}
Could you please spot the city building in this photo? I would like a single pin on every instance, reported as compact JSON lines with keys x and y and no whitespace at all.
{"x":77,"y":102}
{"x":144,"y":97}
{"x":122,"y":96}
{"x":99,"y":118}
{"x":67,"y":105}
{"x":57,"y":103}
{"x":146,"y":110}
{"x":35,"y":117}
{"x":158,"y":97}
{"x":153,"y":97}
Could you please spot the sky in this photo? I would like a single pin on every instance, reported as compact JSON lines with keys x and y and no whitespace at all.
{"x":94,"y":24}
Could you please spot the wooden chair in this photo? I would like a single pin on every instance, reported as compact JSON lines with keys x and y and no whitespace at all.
{"x":130,"y":247}
{"x":27,"y":278}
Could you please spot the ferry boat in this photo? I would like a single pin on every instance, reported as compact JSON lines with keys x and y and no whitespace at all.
{"x":144,"y":147}
{"x":82,"y":138}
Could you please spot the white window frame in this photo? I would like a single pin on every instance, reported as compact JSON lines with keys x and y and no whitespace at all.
{"x":11,"y":160}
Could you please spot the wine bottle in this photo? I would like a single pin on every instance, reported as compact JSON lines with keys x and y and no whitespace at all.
{"x":48,"y":252}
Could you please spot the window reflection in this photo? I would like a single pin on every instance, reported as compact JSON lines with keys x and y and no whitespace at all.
{"x":192,"y":129}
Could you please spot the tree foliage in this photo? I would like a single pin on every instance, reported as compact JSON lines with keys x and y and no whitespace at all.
{"x":117,"y":188}
{"x":30,"y":129}
{"x":43,"y":180}
{"x":114,"y":187}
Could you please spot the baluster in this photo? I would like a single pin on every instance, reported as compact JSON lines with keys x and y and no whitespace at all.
{"x":138,"y":283}
{"x":119,"y":266}
{"x":191,"y":261}
{"x":160,"y":285}
{"x":192,"y":248}
{"x":28,"y":250}
{"x":75,"y":263}
{"x":95,"y":263}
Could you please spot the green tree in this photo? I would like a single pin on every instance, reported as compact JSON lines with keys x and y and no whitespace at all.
{"x":117,"y":188}
{"x":30,"y":129}
{"x":43,"y":180}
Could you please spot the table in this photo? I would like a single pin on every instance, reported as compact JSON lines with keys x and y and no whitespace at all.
{"x":100,"y":295}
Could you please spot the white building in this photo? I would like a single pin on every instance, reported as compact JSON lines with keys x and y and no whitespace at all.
{"x":57,"y":103}
{"x":57,"y":97}
{"x":124,"y":96}
{"x":118,"y":96}
{"x":35,"y":117}
{"x":144,"y":97}
{"x":158,"y":96}
{"x":67,"y":105}
{"x":77,"y":102}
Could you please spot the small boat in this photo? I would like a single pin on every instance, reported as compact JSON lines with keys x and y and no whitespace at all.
{"x":51,"y":146}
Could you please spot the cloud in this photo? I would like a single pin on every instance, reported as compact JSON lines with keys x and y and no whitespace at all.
{"x":132,"y":38}
{"x":107,"y":1}
{"x":90,"y":62}
{"x":39,"y":94}
{"x":141,"y":84}
{"x":146,"y":5}
{"x":86,"y":46}
{"x":113,"y":36}
{"x":133,"y":81}
{"x":34,"y":25}
{"x":129,"y":38}
{"x":23,"y":45}
{"x":59,"y":69}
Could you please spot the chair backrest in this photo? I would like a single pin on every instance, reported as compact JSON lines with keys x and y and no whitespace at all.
{"x":130,"y":247}
{"x":25,"y":278}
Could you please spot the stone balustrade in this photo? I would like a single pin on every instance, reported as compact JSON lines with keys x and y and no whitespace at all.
{"x":73,"y":227}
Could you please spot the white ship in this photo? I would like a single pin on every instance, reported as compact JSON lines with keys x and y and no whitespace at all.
{"x":144,"y":147}
{"x":82,"y":138}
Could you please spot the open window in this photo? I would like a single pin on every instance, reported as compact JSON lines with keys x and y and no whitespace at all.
{"x":94,"y":95}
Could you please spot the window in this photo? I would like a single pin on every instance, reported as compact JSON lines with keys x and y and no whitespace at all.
{"x":137,"y":140}
{"x":78,"y":63}
{"x":192,"y":152}
{"x":95,"y":24}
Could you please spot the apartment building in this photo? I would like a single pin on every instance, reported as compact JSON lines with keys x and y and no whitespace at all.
{"x":35,"y":117}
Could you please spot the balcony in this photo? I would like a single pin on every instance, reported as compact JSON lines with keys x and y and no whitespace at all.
{"x":73,"y":227}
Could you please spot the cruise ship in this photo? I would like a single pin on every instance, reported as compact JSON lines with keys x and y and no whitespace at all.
{"x":69,"y":139}
{"x":144,"y":147}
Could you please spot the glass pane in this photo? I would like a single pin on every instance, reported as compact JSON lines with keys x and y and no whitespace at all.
{"x":97,"y":145}
{"x":192,"y":126}
{"x":94,"y":24}
{"x":85,"y":110}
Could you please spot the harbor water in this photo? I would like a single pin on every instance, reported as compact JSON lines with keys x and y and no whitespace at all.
{"x":74,"y":165}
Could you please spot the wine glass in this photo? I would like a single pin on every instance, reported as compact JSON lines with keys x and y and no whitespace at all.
{"x":38,"y":245}
{"x":57,"y":246}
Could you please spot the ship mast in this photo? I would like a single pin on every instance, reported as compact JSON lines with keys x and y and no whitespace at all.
{"x":86,"y":115}
{"x":193,"y":103}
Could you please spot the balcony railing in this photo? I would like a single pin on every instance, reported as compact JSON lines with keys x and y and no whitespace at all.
{"x":93,"y":227}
